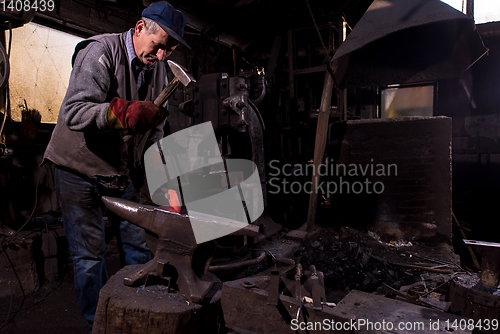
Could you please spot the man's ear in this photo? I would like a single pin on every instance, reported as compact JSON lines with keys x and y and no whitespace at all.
{"x":140,"y":27}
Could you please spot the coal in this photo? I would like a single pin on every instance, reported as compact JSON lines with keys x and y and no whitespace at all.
{"x":349,"y":262}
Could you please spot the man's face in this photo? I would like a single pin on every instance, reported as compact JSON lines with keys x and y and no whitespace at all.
{"x":150,"y":48}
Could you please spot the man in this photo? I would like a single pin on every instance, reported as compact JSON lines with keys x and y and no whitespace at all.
{"x":105,"y":123}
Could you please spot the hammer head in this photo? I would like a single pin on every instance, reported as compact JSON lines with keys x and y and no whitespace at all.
{"x":180,"y":73}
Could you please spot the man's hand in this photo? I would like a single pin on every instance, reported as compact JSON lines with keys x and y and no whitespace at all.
{"x":138,"y":116}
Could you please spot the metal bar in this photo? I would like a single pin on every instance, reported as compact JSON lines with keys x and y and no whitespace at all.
{"x":290,"y":64}
{"x":471,"y":252}
{"x":274,"y":285}
{"x":298,"y":286}
{"x":241,"y":264}
{"x":492,"y":245}
{"x":470,"y":8}
{"x":316,"y":289}
{"x":236,"y":57}
{"x":412,"y":266}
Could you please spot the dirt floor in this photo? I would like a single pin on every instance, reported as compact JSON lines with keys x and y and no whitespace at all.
{"x":52,"y":309}
{"x":349,"y":258}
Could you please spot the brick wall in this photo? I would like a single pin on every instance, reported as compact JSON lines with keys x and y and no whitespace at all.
{"x":407,"y":162}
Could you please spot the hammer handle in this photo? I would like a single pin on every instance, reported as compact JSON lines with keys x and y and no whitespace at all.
{"x":165,"y":94}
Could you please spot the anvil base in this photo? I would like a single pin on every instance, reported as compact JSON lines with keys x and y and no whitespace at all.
{"x":152,"y":309}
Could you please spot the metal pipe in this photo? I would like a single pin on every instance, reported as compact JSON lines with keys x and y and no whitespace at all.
{"x":235,"y":60}
{"x":237,"y":265}
{"x":262,"y":84}
{"x":470,"y":8}
{"x":259,"y":116}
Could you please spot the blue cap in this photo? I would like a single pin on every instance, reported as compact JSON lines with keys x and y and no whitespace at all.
{"x":168,"y":18}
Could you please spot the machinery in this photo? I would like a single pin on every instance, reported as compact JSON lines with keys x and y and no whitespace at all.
{"x":231,"y":104}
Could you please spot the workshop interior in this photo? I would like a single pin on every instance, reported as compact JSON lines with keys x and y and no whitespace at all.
{"x":370,"y":132}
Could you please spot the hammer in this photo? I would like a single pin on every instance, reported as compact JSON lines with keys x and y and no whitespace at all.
{"x":180,"y":76}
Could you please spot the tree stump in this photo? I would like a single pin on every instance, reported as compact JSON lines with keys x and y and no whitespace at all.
{"x":152,"y":309}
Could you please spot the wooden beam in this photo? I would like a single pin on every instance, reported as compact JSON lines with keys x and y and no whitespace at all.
{"x":319,"y":145}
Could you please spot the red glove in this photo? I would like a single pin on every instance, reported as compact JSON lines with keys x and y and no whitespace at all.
{"x":138,"y":116}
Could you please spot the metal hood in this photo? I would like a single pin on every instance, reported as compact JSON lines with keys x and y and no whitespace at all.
{"x":407,"y":41}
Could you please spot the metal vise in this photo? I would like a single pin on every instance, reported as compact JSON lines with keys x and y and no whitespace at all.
{"x":175,"y":249}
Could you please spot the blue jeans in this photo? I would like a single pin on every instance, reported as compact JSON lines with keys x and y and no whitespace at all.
{"x":82,"y":214}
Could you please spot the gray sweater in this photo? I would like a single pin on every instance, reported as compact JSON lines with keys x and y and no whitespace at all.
{"x":82,"y":140}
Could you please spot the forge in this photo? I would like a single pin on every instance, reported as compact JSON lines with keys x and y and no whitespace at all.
{"x":325,"y":166}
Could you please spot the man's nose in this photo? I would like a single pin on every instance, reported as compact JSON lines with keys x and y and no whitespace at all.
{"x":161,"y":54}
